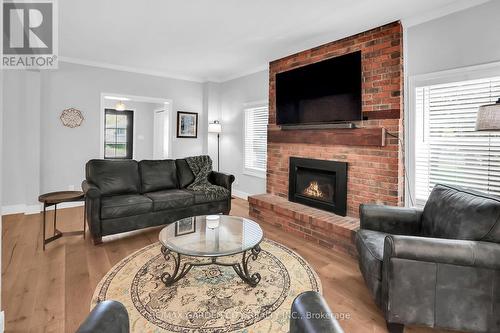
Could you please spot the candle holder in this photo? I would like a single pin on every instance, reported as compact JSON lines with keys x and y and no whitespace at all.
{"x":212,"y":221}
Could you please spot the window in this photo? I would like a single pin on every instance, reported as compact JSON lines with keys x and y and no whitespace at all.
{"x":448,"y":150}
{"x":118,"y":134}
{"x":256,"y":140}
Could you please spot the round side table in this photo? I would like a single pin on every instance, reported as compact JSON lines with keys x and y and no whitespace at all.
{"x":53,"y":199}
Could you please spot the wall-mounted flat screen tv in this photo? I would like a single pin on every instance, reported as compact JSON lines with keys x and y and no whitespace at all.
{"x":328,"y":91}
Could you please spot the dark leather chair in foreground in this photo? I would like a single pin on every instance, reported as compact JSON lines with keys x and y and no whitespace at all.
{"x":106,"y":317}
{"x":311,"y":314}
{"x":437,"y":267}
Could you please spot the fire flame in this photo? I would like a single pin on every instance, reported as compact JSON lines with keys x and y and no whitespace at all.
{"x":313,"y":190}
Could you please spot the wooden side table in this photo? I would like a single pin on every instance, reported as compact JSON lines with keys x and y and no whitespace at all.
{"x":53,"y":199}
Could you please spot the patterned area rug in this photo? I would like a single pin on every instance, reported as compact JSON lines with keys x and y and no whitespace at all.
{"x":209,"y":298}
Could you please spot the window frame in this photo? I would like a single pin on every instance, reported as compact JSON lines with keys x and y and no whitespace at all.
{"x":416,"y":81}
{"x":248,"y":107}
{"x":129,"y":146}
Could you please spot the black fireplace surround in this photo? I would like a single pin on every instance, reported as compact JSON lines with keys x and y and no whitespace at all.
{"x":318,"y":183}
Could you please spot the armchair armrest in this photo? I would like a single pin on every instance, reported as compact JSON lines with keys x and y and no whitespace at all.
{"x":90,"y":190}
{"x":311,"y":314}
{"x":221,"y":179}
{"x":443,"y":251}
{"x":390,"y":219}
{"x":107,"y":316}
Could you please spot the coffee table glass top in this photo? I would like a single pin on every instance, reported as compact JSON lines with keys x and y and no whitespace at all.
{"x":215,"y":236}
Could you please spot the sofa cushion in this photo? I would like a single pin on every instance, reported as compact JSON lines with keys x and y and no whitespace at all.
{"x":184,"y":174}
{"x":211,"y":193}
{"x":125,"y":205}
{"x":157,"y":175}
{"x":370,"y":246}
{"x":113,"y":177}
{"x":170,"y":199}
{"x":456,"y":213}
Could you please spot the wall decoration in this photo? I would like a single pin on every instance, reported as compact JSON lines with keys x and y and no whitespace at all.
{"x":71,"y":118}
{"x":187,"y":124}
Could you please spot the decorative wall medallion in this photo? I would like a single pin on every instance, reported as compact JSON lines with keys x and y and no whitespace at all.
{"x":71,"y":118}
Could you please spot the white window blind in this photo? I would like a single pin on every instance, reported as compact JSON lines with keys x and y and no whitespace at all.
{"x":448,"y":150}
{"x":256,"y":120}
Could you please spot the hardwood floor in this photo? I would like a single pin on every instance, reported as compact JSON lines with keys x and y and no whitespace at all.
{"x":51,"y":291}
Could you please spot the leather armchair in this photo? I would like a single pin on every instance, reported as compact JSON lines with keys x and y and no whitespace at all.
{"x":106,"y":317}
{"x":311,"y":314}
{"x":437,"y":267}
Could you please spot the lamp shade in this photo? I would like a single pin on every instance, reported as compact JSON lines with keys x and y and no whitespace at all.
{"x":215,"y":127}
{"x":488,"y":117}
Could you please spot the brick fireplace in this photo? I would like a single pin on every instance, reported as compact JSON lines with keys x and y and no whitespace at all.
{"x":372,"y":152}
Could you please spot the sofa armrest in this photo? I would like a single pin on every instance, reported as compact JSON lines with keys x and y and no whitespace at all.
{"x":221,"y":179}
{"x":390,"y":219}
{"x":311,"y":314}
{"x":106,"y":317}
{"x":90,"y":190}
{"x":443,"y":251}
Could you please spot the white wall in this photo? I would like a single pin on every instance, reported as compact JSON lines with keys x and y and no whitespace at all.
{"x":64,"y":151}
{"x":466,"y":38}
{"x":234,"y":95}
{"x":21,"y":137}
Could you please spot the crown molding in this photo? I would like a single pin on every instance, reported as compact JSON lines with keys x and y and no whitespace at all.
{"x":440,"y":12}
{"x":130,"y":69}
{"x":243,"y":73}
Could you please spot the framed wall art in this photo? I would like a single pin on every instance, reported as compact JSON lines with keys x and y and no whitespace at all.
{"x":187,"y":124}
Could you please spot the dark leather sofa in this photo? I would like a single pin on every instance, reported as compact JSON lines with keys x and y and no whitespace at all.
{"x":125,"y":195}
{"x":437,"y":267}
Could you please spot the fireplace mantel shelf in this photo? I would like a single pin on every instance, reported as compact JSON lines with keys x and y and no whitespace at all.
{"x":347,"y":137}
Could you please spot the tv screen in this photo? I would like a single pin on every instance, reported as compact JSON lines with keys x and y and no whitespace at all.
{"x":324,"y":92}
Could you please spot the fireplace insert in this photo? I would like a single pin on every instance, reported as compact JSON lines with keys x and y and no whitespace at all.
{"x":318,"y":183}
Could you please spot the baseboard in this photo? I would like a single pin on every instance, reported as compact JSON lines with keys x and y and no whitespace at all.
{"x":240,"y":194}
{"x":13,"y":209}
{"x":37,"y":208}
{"x":2,"y":322}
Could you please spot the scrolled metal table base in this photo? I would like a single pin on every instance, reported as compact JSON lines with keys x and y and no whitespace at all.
{"x":241,"y":268}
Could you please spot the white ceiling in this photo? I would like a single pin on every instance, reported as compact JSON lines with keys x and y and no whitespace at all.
{"x":219,"y":39}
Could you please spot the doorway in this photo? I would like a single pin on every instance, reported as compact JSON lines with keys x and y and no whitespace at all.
{"x":149,"y":133}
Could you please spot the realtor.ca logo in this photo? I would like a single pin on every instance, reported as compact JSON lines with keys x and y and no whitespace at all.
{"x":29,"y":34}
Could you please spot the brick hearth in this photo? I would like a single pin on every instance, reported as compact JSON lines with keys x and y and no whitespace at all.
{"x":315,"y":225}
{"x":375,"y":169}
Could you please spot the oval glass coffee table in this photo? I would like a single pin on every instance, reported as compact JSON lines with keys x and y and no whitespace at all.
{"x":211,"y":237}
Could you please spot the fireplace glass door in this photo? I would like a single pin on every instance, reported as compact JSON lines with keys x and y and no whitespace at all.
{"x":315,"y":184}
{"x":318,"y":183}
